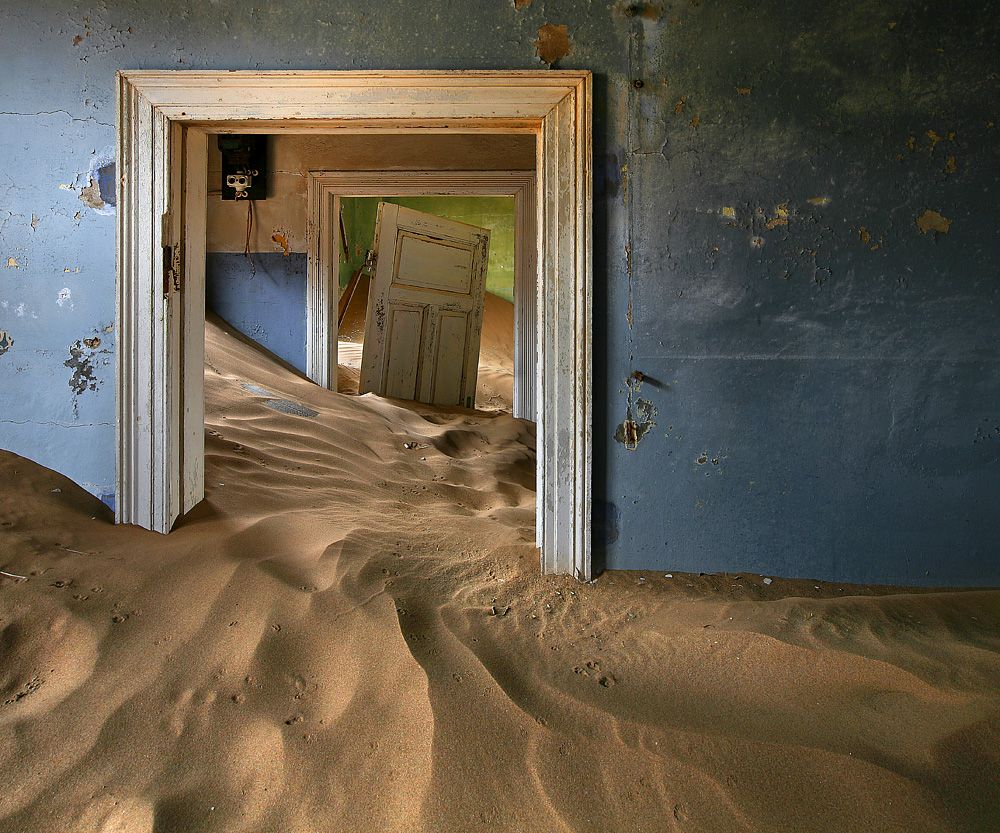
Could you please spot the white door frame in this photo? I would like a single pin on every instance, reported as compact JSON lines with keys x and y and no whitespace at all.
{"x":325,"y":190}
{"x":163,"y":117}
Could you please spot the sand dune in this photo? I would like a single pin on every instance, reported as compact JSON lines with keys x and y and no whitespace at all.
{"x":351,"y":635}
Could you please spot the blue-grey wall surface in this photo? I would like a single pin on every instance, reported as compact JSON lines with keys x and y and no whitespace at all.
{"x":264,"y":297}
{"x":796,"y":299}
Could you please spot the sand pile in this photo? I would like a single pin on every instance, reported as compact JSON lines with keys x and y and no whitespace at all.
{"x":495,"y":385}
{"x":350,"y":635}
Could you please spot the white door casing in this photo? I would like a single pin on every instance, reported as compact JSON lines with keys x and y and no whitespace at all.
{"x":160,"y":324}
{"x":425,"y":308}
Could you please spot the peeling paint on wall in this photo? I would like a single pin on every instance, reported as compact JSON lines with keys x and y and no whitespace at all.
{"x":85,"y":356}
{"x":933,"y":221}
{"x":280,"y":240}
{"x":552,"y":43}
{"x":639,"y":414}
{"x":6,"y":341}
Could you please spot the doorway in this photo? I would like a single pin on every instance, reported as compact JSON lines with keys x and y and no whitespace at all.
{"x":163,"y":126}
{"x":330,"y":191}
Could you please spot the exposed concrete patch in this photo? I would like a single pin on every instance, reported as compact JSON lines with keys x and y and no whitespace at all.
{"x":285,"y":406}
{"x":96,"y":188}
{"x":933,"y":221}
{"x":85,"y":356}
{"x":6,"y":341}
{"x":552,"y":43}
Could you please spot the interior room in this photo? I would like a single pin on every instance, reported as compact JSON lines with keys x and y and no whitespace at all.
{"x":509,"y":416}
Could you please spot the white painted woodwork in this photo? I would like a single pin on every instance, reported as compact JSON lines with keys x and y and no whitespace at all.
{"x":156,"y":107}
{"x":324,"y":191}
{"x":425,"y":308}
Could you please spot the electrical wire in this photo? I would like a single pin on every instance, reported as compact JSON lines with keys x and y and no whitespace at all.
{"x":246,"y":246}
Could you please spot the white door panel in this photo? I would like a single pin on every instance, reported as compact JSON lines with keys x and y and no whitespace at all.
{"x":425,"y":308}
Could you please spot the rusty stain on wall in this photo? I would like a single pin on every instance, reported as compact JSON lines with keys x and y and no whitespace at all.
{"x":639,"y":414}
{"x":552,"y":43}
{"x":933,"y":221}
{"x":281,"y":244}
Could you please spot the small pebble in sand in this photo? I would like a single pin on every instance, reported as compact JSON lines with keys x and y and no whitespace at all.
{"x":408,"y":446}
{"x":767,"y":581}
{"x":668,"y":575}
{"x":56,"y":492}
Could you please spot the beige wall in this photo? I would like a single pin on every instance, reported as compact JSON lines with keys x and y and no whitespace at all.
{"x":290,"y":157}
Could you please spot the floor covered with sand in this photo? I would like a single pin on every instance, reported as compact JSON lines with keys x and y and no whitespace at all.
{"x":350,"y":634}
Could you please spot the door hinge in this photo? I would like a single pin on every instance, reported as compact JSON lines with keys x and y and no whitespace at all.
{"x":172,"y":277}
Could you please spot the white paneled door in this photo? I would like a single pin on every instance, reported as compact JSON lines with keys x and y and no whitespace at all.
{"x":425,"y":308}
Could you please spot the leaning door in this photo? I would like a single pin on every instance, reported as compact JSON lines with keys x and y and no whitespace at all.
{"x":425,"y":308}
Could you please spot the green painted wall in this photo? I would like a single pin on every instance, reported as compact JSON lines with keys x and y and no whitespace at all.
{"x":494,"y":213}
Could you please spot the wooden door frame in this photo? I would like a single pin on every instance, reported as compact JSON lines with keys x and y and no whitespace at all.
{"x":162,"y":120}
{"x":325,"y":190}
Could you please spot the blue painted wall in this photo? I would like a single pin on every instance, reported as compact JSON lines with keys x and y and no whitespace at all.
{"x":264,"y":297}
{"x":795,"y":242}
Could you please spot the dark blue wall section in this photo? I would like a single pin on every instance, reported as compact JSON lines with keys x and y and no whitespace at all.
{"x":264,"y":297}
{"x":795,"y":243}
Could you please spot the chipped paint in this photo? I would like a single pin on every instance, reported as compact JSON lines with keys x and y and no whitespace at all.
{"x":645,"y":11}
{"x":521,"y":4}
{"x":820,"y":201}
{"x":950,"y":165}
{"x":637,"y":423}
{"x":744,"y":91}
{"x":64,"y":297}
{"x":933,"y":221}
{"x":90,"y":196}
{"x":6,"y":341}
{"x":639,"y":414}
{"x":280,"y":240}
{"x":13,"y":263}
{"x":552,"y":43}
{"x":729,"y":212}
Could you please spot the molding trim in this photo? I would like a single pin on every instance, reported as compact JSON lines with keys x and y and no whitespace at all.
{"x":325,"y":190}
{"x":159,"y":408}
